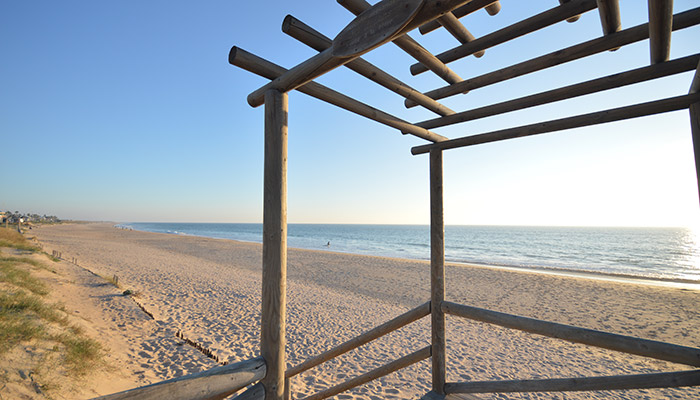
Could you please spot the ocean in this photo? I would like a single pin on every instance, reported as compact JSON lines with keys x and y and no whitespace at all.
{"x":664,"y":254}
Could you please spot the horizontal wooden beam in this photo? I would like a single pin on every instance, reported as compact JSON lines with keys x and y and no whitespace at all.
{"x":609,"y":11}
{"x":627,"y":344}
{"x":572,"y":19}
{"x":619,"y":382}
{"x":458,"y":31}
{"x":595,"y":118}
{"x":660,"y":20}
{"x":377,"y":373}
{"x":216,"y":383}
{"x":580,"y":89}
{"x":316,"y":40}
{"x":680,"y":21}
{"x":493,"y":8}
{"x":377,"y":332}
{"x":522,"y":28}
{"x":407,"y":44}
{"x":459,"y":12}
{"x":266,"y":69}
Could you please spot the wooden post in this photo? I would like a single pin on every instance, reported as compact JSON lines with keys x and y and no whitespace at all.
{"x":437,"y":272}
{"x":274,"y":274}
{"x":660,"y":27}
{"x":695,"y":124}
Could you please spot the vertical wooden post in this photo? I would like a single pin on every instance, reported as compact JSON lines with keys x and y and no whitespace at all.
{"x":695,"y":124}
{"x":660,"y":27}
{"x":274,"y":275}
{"x":437,"y":271}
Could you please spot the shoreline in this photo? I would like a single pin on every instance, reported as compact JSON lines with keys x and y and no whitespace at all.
{"x":210,"y":289}
{"x":688,"y":284}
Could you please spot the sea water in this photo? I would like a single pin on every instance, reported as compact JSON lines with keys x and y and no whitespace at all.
{"x":671,"y":254}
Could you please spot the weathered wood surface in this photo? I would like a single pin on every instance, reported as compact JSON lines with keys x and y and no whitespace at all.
{"x":580,"y":89}
{"x":619,"y":382}
{"x":680,"y":21}
{"x":327,"y":61}
{"x":609,"y":11}
{"x":316,"y":40}
{"x":600,"y":117}
{"x":266,"y":69}
{"x":374,"y":26}
{"x":459,"y":31}
{"x":437,"y":272}
{"x":522,"y":28}
{"x":255,"y":392}
{"x":216,"y":383}
{"x":274,"y":252}
{"x":660,"y":21}
{"x":572,"y":19}
{"x":459,"y":12}
{"x":493,"y":8}
{"x":374,"y":333}
{"x":452,"y":396}
{"x":407,"y":44}
{"x":627,"y":344}
{"x":393,"y":366}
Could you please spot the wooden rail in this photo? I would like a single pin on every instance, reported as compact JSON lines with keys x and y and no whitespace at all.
{"x":266,"y":69}
{"x":640,"y":381}
{"x":680,"y":21}
{"x":568,"y":92}
{"x":317,"y":41}
{"x":522,"y":28}
{"x":377,"y":373}
{"x":374,"y":333}
{"x":595,"y":118}
{"x":627,"y":344}
{"x":216,"y":383}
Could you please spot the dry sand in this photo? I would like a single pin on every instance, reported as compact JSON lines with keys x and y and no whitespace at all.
{"x":210,"y":290}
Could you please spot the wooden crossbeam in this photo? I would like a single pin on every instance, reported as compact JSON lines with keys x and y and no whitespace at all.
{"x":609,"y":11}
{"x":459,"y":31}
{"x":524,"y":27}
{"x":660,"y":21}
{"x":640,"y":32}
{"x":600,"y":117}
{"x":572,"y":19}
{"x":266,"y":69}
{"x":638,"y":75}
{"x":459,"y":12}
{"x":316,"y":40}
{"x":494,"y":8}
{"x":619,"y":382}
{"x":410,"y":46}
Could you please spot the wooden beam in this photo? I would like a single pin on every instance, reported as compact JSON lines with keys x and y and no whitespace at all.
{"x":609,"y":11}
{"x":524,"y":27}
{"x":459,"y":12}
{"x":274,"y":253}
{"x":266,"y":69}
{"x":493,"y":8}
{"x":660,"y":27}
{"x":694,"y":111}
{"x":595,"y":118}
{"x":595,"y":46}
{"x":619,"y":382}
{"x":255,"y":392}
{"x":593,"y":86}
{"x":437,"y":272}
{"x":572,"y":19}
{"x":459,"y":31}
{"x":316,"y":40}
{"x":219,"y":382}
{"x":377,"y":332}
{"x":626,"y":344}
{"x":393,"y":366}
{"x":407,"y":44}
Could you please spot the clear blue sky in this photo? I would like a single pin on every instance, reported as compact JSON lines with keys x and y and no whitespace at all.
{"x":129,"y":111}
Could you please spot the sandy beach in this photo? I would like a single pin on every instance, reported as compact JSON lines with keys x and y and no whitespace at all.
{"x":209,"y":289}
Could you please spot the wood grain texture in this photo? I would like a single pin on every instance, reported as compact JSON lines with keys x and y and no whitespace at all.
{"x":600,"y":117}
{"x":585,"y":49}
{"x":274,"y":252}
{"x":266,"y":69}
{"x":627,"y":344}
{"x":219,"y":382}
{"x":437,"y":272}
{"x":660,"y":27}
{"x":619,"y":382}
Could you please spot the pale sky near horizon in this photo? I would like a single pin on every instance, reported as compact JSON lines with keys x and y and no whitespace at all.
{"x":129,"y":111}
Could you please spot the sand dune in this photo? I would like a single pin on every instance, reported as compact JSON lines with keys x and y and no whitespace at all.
{"x":210,"y":290}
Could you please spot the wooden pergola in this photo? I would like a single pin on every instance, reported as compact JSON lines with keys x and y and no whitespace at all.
{"x":390,"y":21}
